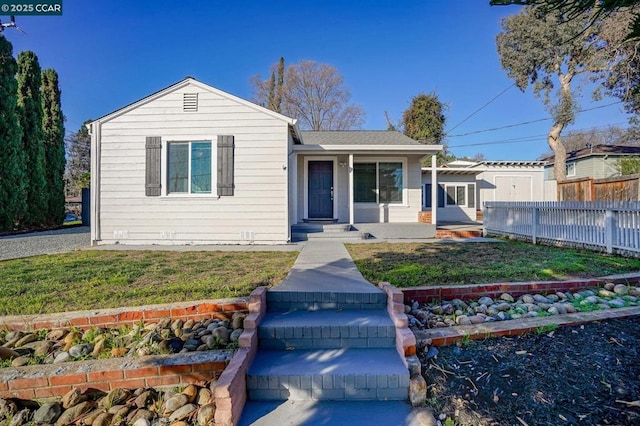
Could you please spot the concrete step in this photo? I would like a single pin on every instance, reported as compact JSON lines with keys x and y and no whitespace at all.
{"x":342,"y":236}
{"x":328,"y":374}
{"x":316,"y":227}
{"x":282,"y":300}
{"x":327,"y":329}
{"x":345,"y":413}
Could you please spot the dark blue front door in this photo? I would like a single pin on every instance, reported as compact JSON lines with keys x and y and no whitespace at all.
{"x":320,"y":189}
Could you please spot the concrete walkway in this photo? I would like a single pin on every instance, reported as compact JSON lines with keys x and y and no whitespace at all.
{"x":325,"y":266}
{"x":324,"y":286}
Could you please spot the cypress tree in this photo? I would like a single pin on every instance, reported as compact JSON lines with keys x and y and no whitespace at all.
{"x":54,"y":153}
{"x":12,"y":162}
{"x":30,"y":113}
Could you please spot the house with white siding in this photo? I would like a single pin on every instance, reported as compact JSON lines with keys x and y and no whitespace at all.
{"x":463,"y":187}
{"x":192,"y":164}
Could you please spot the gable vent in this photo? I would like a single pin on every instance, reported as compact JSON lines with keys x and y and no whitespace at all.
{"x":190,"y":102}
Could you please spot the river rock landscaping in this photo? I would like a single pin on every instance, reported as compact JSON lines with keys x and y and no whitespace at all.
{"x":448,"y":313}
{"x":585,"y":374}
{"x":189,"y":405}
{"x":20,"y":348}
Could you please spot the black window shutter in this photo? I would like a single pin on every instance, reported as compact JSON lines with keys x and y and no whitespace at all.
{"x":225,"y":165}
{"x":427,"y":195}
{"x":471,"y":196}
{"x":153,"y":160}
{"x":440,"y":195}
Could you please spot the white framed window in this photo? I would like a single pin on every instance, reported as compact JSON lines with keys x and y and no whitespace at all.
{"x":571,"y":169}
{"x":189,"y":167}
{"x":460,"y":195}
{"x":379,"y":182}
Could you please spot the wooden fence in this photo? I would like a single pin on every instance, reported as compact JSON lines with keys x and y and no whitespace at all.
{"x":623,"y":188}
{"x":613,"y":227}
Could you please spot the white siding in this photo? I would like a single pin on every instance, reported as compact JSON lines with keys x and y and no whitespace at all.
{"x":493,"y":183}
{"x":450,"y":213}
{"x":257,"y":212}
{"x":511,"y":184}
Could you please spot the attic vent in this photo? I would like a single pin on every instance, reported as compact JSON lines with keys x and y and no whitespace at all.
{"x":190,"y":102}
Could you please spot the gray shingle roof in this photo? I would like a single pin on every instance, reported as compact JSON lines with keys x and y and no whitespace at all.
{"x":598,"y":150}
{"x":356,"y":137}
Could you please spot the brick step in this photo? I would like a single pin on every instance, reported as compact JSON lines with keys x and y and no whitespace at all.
{"x":328,"y":374}
{"x":325,"y":300}
{"x":327,"y":329}
{"x":461,"y":233}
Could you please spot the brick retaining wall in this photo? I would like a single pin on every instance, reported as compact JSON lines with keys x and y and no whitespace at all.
{"x":231,"y":390}
{"x":221,"y":309}
{"x":476,"y":291}
{"x":54,"y":380}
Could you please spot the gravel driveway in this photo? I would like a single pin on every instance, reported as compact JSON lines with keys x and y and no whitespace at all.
{"x":46,"y":242}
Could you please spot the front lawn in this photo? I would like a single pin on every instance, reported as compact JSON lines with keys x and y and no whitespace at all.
{"x":429,"y":264}
{"x":107,"y":279}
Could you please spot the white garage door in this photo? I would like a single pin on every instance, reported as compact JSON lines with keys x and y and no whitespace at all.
{"x":513,"y":188}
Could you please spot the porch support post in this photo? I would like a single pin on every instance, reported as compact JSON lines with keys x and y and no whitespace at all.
{"x":434,"y":191}
{"x":350,"y":172}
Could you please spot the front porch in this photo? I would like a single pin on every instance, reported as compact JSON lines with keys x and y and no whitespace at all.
{"x":384,"y":231}
{"x":362,"y":231}
{"x":358,"y":178}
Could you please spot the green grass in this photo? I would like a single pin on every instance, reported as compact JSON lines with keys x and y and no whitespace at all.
{"x":429,"y":264}
{"x":106,"y":279}
{"x":73,"y":223}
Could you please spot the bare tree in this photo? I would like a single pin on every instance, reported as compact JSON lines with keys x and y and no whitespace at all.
{"x":312,"y":92}
{"x":575,"y":140}
{"x":78,"y":147}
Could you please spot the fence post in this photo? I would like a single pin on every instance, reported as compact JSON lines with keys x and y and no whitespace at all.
{"x":485,"y":216}
{"x":534,"y":225}
{"x":610,"y":230}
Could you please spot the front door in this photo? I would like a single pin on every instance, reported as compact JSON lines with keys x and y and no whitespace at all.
{"x":320,"y":189}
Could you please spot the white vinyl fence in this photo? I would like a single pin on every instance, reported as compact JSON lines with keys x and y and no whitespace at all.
{"x":605,"y":226}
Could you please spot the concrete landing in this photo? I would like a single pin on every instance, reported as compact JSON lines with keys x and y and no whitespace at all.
{"x":335,"y":413}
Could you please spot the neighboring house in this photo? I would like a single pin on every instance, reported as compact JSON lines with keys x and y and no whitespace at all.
{"x":191,"y":164}
{"x":597,"y":162}
{"x":463,"y":186}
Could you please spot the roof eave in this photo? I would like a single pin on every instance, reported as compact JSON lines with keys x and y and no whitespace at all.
{"x":410,"y":149}
{"x":455,"y":170}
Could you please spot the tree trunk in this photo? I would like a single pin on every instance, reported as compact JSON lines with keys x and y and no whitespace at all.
{"x":564,"y":116}
{"x":559,"y":152}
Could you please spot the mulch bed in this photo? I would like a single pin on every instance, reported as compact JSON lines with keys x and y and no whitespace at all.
{"x":583,"y":375}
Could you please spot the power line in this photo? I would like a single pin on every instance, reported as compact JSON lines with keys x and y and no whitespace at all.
{"x":524,"y":123}
{"x":527,"y":138}
{"x":481,"y":108}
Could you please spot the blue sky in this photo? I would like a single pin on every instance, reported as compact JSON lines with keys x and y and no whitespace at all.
{"x":110,"y":53}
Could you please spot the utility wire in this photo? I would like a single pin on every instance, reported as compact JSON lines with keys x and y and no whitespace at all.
{"x":528,"y":122}
{"x":481,"y":108}
{"x":528,"y":138}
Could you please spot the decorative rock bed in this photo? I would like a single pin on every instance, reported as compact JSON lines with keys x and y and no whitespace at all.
{"x":505,"y":307}
{"x":139,"y":407}
{"x":20,"y":348}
